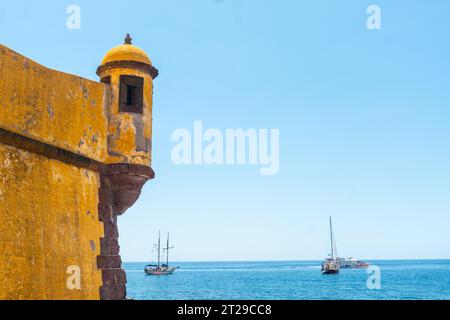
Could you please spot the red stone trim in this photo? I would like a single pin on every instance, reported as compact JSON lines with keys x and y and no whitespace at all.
{"x":120,"y":187}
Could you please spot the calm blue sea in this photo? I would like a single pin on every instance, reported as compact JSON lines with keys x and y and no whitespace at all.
{"x":402,"y":279}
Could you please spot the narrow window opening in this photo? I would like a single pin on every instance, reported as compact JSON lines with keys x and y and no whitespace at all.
{"x":131,"y":95}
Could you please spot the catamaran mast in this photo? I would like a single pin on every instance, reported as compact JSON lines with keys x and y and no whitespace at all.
{"x":332,"y":246}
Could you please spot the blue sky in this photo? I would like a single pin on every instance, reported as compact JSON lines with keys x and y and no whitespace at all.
{"x":363,"y":118}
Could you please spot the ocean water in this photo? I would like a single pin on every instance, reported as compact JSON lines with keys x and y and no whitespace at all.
{"x":292,"y":280}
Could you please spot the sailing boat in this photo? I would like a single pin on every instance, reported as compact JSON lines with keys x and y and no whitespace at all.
{"x":331,"y":264}
{"x":161,"y":269}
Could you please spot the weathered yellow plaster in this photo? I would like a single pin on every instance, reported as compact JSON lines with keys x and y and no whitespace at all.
{"x":48,"y":222}
{"x":122,"y":131}
{"x":51,"y":106}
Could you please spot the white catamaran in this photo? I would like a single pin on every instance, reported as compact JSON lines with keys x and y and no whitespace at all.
{"x":331,"y":265}
{"x":352,"y":263}
{"x":161,"y":269}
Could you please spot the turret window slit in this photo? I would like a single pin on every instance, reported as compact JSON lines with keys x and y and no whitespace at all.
{"x":131,"y":94}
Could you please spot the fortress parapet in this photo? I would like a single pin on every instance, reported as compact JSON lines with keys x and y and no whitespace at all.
{"x":74,"y":155}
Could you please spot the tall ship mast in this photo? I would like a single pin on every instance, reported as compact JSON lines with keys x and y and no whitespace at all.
{"x":167,"y":249}
{"x":159,"y":249}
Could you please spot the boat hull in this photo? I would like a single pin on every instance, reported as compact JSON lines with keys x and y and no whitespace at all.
{"x":159,"y":272}
{"x":355,"y":267}
{"x":333,"y":271}
{"x":351,"y":263}
{"x":330,"y":267}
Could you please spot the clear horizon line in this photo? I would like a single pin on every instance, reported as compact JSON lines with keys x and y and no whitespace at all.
{"x":302,"y":260}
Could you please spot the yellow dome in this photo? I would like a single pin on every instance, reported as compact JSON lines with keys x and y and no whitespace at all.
{"x":126,"y":52}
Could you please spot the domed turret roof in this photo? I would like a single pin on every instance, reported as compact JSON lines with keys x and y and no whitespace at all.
{"x":126,"y":52}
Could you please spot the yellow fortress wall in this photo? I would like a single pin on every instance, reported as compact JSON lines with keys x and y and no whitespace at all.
{"x":74,"y":154}
{"x":53,"y":107}
{"x":49,"y":222}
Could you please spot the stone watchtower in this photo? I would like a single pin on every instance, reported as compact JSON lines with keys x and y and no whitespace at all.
{"x":74,"y":155}
{"x":129,"y":73}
